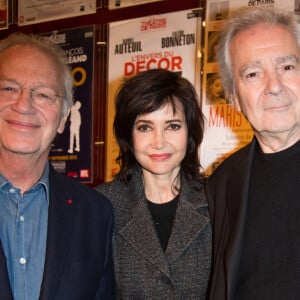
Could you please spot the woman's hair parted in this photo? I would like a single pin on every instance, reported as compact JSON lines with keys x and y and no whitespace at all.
{"x":147,"y":92}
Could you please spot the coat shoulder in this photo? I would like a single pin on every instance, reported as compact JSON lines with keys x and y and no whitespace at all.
{"x":83,"y":194}
{"x":234,"y":161}
{"x":116,"y":191}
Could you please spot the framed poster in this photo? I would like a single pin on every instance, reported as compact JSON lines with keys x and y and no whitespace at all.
{"x":226,"y":129}
{"x":167,"y":41}
{"x":222,"y":9}
{"x":71,"y":152}
{"x":37,"y":11}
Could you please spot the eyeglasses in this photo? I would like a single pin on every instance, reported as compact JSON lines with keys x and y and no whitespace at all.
{"x":11,"y":90}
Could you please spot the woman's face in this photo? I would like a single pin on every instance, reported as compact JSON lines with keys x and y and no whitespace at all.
{"x":160,"y":140}
{"x":217,"y":88}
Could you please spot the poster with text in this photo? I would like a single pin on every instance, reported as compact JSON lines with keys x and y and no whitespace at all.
{"x":220,"y":9}
{"x":166,"y":41}
{"x":226,"y":130}
{"x":37,"y":11}
{"x":71,"y":151}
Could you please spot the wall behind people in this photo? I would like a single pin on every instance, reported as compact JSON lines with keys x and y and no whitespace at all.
{"x":100,"y":21}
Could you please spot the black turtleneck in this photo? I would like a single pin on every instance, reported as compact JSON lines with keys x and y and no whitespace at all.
{"x":163,"y":216}
{"x":270,"y":260}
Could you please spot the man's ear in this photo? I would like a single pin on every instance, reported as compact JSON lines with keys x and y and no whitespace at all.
{"x":62,"y":123}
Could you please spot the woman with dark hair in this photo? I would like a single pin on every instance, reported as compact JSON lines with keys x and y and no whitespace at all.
{"x":162,"y":238}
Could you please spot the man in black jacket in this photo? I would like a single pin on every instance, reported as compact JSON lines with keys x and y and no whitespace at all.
{"x":254,"y":195}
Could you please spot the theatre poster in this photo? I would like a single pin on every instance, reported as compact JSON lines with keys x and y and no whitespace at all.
{"x":169,"y":41}
{"x":71,"y":152}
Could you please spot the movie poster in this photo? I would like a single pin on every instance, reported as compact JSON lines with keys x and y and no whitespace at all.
{"x":167,"y":41}
{"x":226,"y":129}
{"x":71,"y":151}
{"x":37,"y":11}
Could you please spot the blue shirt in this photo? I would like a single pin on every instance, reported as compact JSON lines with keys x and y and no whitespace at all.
{"x":23,"y":233}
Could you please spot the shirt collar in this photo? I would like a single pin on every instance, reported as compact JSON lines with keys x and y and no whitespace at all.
{"x":44,"y":181}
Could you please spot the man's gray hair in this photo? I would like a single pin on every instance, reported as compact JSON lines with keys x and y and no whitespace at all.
{"x":54,"y":52}
{"x":241,"y":20}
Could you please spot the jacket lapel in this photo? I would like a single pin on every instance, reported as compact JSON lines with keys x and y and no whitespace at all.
{"x":188,"y":221}
{"x":140,"y":233}
{"x":138,"y":228}
{"x":237,"y":197}
{"x":60,"y":219}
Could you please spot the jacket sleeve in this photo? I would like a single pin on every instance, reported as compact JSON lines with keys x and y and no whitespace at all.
{"x":5,"y":290}
{"x":106,"y":289}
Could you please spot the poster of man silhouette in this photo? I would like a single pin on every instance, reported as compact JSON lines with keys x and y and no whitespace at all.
{"x":71,"y":151}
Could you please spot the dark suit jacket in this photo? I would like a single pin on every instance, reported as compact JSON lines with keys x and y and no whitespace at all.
{"x":78,"y":261}
{"x":227,"y":194}
{"x":143,"y":270}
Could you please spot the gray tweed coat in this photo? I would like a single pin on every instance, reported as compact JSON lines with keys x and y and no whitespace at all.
{"x":142,"y":269}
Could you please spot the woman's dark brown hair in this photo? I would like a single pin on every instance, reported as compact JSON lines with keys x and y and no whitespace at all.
{"x":147,"y":92}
